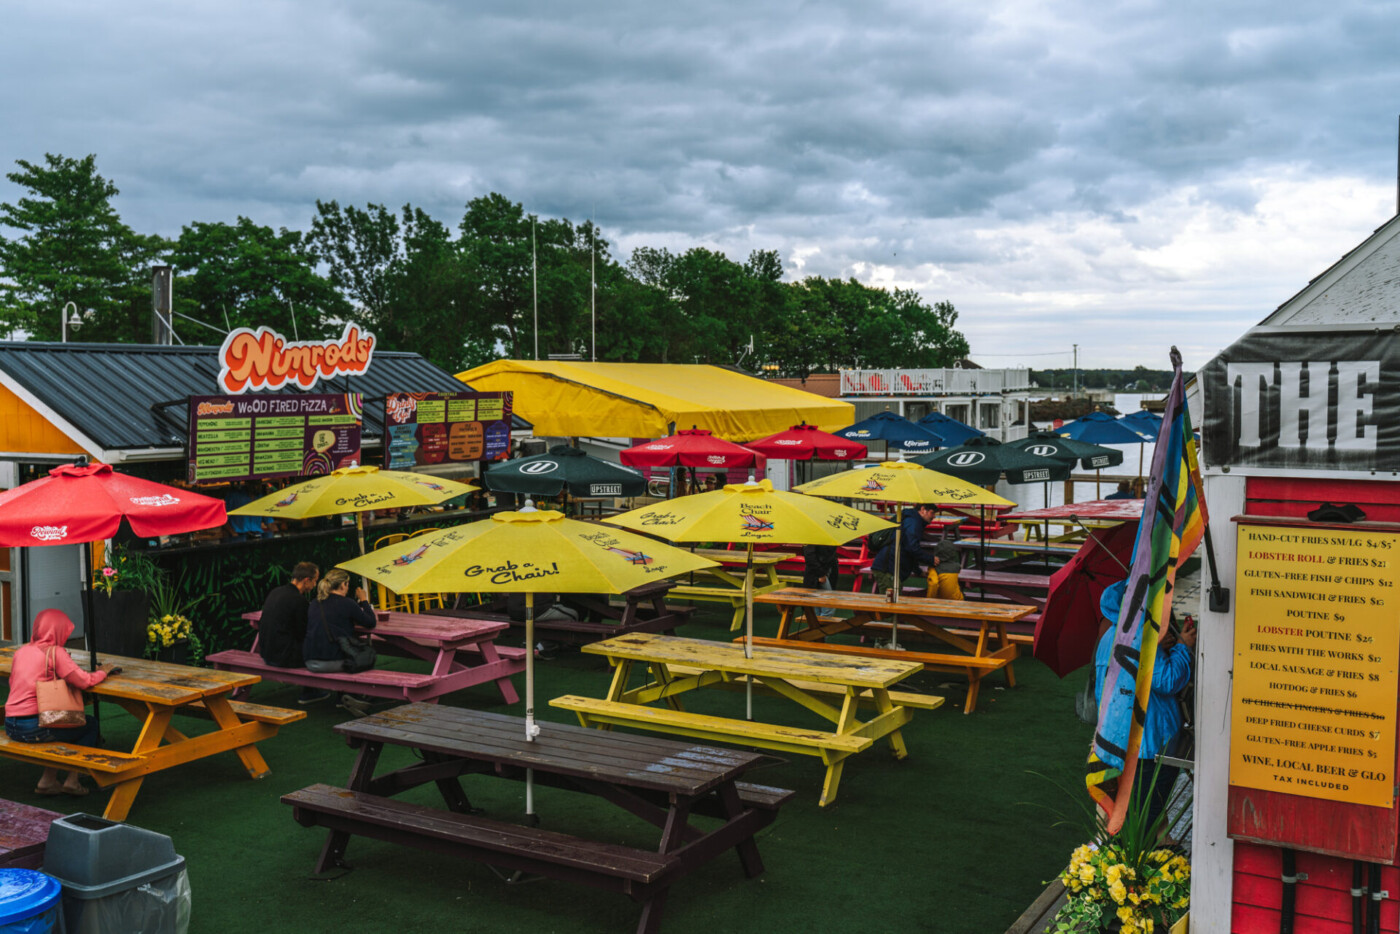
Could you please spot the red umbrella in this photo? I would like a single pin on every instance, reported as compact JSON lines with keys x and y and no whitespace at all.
{"x":82,"y":503}
{"x":1068,"y":629}
{"x":693,"y":447}
{"x":804,"y":442}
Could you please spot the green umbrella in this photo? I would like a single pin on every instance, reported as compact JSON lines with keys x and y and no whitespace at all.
{"x":564,"y":469}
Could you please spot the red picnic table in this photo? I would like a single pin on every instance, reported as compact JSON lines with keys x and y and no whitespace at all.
{"x":463,"y":653}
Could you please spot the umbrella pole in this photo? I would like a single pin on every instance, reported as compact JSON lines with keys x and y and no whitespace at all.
{"x":360,"y":537}
{"x":531,"y":730}
{"x":748,"y":628}
{"x":898,"y":578}
{"x":88,"y":622}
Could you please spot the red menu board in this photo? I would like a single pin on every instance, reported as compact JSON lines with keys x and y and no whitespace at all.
{"x":424,"y":428}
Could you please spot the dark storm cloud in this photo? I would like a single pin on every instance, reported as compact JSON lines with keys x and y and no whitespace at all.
{"x":1025,"y":160}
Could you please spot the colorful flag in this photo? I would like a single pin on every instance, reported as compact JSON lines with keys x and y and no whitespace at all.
{"x":1173,"y":522}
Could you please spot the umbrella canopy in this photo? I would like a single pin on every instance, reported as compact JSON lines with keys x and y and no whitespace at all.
{"x":950,"y":429}
{"x":87,"y":502}
{"x":1068,"y":629}
{"x":693,"y":447}
{"x":531,"y":551}
{"x":355,"y":490}
{"x":896,"y":431}
{"x":984,"y":460}
{"x":903,"y":482}
{"x":1145,"y":423}
{"x":1049,"y":444}
{"x":82,"y":503}
{"x":565,"y":469}
{"x":805,"y":442}
{"x":1099,"y":428}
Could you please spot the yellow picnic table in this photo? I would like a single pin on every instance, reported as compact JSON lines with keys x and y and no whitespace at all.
{"x":154,"y":692}
{"x":731,"y":576}
{"x":677,"y":665}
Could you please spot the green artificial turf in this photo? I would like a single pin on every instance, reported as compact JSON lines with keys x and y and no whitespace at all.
{"x":948,"y":840}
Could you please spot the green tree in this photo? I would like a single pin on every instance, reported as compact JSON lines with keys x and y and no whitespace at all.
{"x":495,"y":243}
{"x":72,"y":246}
{"x":246,"y":275}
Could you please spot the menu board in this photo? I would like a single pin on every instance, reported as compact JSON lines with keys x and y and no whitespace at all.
{"x":247,"y":437}
{"x":438,"y":427}
{"x":1317,"y":636}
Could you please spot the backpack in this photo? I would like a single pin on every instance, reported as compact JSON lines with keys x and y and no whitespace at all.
{"x":880,"y":540}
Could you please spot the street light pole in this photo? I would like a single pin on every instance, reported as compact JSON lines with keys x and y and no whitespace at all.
{"x":64,"y":318}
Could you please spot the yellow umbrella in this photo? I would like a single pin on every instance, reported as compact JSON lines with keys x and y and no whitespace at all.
{"x":358,"y":490}
{"x":902,"y":482}
{"x":531,"y":551}
{"x":747,"y":513}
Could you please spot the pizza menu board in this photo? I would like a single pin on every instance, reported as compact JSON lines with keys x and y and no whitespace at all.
{"x":1317,"y":637}
{"x":434,"y":428}
{"x":269,"y":436}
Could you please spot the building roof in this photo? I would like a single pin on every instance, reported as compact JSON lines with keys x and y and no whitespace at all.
{"x":109,"y":397}
{"x":569,"y":398}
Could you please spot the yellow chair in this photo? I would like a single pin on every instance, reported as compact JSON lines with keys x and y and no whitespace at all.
{"x":388,"y":601}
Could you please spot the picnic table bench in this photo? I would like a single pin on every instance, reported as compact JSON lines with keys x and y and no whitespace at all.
{"x":731,"y":577}
{"x":780,"y":670}
{"x":462,"y":653}
{"x":986,"y":650}
{"x":24,"y":831}
{"x":1015,"y":553}
{"x":1028,"y":589}
{"x":154,"y":693}
{"x":662,"y":782}
{"x":643,"y":609}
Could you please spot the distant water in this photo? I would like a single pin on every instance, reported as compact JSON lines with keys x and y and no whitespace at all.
{"x":1033,"y":495}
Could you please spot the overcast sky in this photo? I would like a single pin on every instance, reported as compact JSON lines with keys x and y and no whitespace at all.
{"x":1123,"y":176}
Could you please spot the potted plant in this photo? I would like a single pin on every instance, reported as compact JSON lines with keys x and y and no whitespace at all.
{"x":121,"y":602}
{"x":170,"y":635}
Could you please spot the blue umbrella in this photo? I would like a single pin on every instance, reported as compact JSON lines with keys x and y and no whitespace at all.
{"x":1098,"y":428}
{"x":951,"y":430}
{"x":896,"y":431}
{"x":1144,"y":423}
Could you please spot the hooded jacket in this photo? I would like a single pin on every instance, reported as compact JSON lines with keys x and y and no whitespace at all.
{"x":1170,"y":674}
{"x":52,"y":629}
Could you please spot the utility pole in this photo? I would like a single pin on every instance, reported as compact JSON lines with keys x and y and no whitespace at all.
{"x":1076,"y":369}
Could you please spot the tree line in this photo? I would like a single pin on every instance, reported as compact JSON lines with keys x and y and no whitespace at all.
{"x":460,"y":297}
{"x":1138,"y":379}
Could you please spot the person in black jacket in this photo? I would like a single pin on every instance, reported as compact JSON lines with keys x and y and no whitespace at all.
{"x":912,"y":552}
{"x":332,"y":615}
{"x":282,"y":628}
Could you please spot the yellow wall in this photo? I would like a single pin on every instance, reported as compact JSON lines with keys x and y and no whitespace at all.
{"x":24,"y":430}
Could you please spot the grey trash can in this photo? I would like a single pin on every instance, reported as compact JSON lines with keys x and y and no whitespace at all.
{"x":117,"y":878}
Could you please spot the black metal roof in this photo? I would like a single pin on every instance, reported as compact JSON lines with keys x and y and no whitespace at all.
{"x":113,"y":393}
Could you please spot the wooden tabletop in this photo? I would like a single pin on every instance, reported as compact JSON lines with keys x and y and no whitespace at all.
{"x":142,"y":679}
{"x":646,"y":762}
{"x":736,"y":556}
{"x":906,"y":606}
{"x":787,"y":664}
{"x":427,"y":626}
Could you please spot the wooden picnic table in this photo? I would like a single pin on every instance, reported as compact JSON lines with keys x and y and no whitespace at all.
{"x":154,"y":692}
{"x":986,"y":650}
{"x":730,"y":585}
{"x":462,"y":653}
{"x":1016,"y":553}
{"x":1027,"y":589}
{"x":1076,"y":518}
{"x":678,"y":665}
{"x":661,"y":781}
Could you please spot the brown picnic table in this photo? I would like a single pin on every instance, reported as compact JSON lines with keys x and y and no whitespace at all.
{"x":663,"y":782}
{"x":154,"y":693}
{"x":987,"y":650}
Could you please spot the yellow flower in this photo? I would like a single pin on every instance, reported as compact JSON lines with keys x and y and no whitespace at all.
{"x":1117,"y":891}
{"x":1086,"y":874}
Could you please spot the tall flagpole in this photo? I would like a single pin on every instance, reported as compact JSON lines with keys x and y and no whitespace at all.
{"x":535,"y":283}
{"x":593,"y":279}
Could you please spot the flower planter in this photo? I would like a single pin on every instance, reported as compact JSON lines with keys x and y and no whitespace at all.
{"x":118,"y":623}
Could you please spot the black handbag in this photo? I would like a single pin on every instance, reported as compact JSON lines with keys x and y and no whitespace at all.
{"x":358,"y":654}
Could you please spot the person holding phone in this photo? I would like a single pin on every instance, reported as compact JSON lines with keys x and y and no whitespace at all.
{"x":33,"y":662}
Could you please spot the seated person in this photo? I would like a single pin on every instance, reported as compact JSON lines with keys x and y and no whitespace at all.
{"x":947,"y":561}
{"x":33,"y":662}
{"x":332,"y":615}
{"x":282,"y":628}
{"x":912,"y":552}
{"x":1125,"y":491}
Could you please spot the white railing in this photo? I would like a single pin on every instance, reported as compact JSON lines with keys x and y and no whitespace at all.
{"x":932,"y":382}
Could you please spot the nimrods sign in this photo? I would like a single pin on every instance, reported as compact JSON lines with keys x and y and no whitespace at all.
{"x":264,"y":359}
{"x":1304,"y":400}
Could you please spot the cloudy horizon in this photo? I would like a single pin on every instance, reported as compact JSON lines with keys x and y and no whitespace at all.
{"x":1122,"y":178}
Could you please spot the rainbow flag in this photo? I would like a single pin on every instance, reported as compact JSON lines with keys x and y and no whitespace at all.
{"x":1173,"y":523}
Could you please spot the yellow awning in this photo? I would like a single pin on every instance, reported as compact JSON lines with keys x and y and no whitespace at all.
{"x":648,"y":400}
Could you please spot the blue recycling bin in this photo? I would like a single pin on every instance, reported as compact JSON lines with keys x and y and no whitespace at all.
{"x":29,"y":902}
